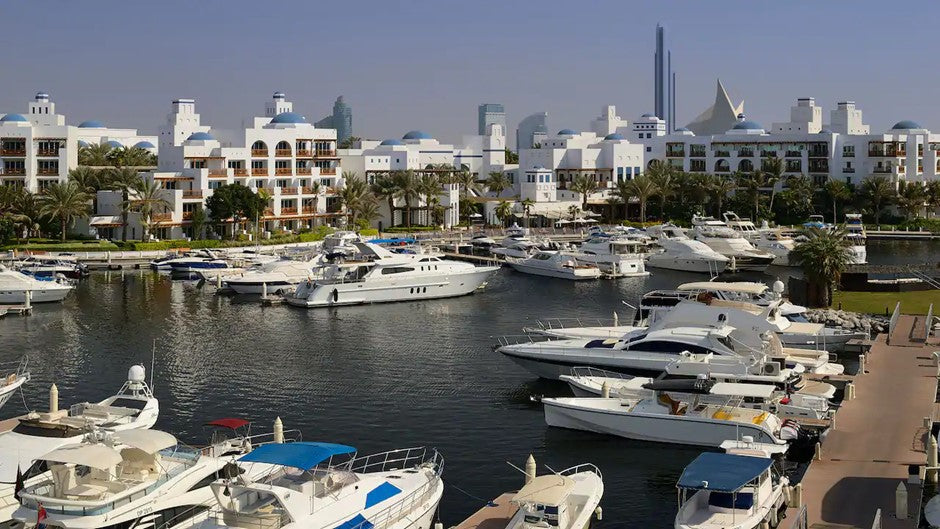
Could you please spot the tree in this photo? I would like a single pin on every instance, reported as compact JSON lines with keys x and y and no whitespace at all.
{"x":690,"y":187}
{"x":752,"y":183}
{"x":353,"y":194}
{"x":27,"y":212}
{"x":408,"y":190}
{"x":467,"y":182}
{"x":315,"y":189}
{"x":368,"y":208}
{"x":236,"y":202}
{"x":585,"y":186}
{"x":720,"y":187}
{"x":348,"y":142}
{"x":877,"y":191}
{"x":823,"y":256}
{"x":798,"y":196}
{"x":497,"y":182}
{"x":511,"y":157}
{"x":527,"y":209}
{"x":94,"y":155}
{"x":64,"y":202}
{"x":197,"y":222}
{"x":386,"y":188}
{"x":623,"y":193}
{"x":574,"y":212}
{"x":429,"y":185}
{"x":663,"y":177}
{"x":503,"y":211}
{"x":131,"y":157}
{"x":911,"y":198}
{"x":148,"y":196}
{"x":642,"y":188}
{"x":838,"y":192}
{"x":773,"y":173}
{"x":933,"y":195}
{"x":123,"y":180}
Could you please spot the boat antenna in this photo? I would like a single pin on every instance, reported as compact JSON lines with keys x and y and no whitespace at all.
{"x":153,"y":359}
{"x":551,"y":469}
{"x":517,"y":468}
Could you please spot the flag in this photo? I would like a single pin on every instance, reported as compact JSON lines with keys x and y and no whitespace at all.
{"x":19,"y":483}
{"x":40,"y":516}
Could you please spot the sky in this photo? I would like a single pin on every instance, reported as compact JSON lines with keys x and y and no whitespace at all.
{"x":427,"y":65}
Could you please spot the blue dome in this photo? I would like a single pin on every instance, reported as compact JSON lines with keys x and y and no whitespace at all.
{"x":114,"y":144}
{"x":91,"y":124}
{"x":648,"y":115}
{"x":199,"y":136}
{"x":144,"y":145}
{"x":82,"y":143}
{"x":416,"y":135}
{"x":289,"y":117}
{"x":906,"y":125}
{"x":392,"y":142}
{"x":614,"y":136}
{"x":567,"y":132}
{"x":747,"y":125}
{"x":14,"y":117}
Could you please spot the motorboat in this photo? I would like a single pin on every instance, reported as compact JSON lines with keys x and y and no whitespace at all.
{"x":14,"y":374}
{"x":816,"y":221}
{"x":15,"y":286}
{"x":774,"y":241}
{"x":166,"y":262}
{"x":482,"y":244}
{"x":274,"y":277}
{"x":766,"y":397}
{"x":753,"y":292}
{"x":135,"y":478}
{"x":325,"y":486}
{"x":563,"y":265}
{"x":52,"y":267}
{"x":194,"y":265}
{"x":388,"y":277}
{"x":731,"y":491}
{"x":133,"y":407}
{"x":619,"y":256}
{"x":341,"y":244}
{"x":724,"y":240}
{"x":855,"y":234}
{"x":682,"y":253}
{"x":567,"y":499}
{"x":518,"y":247}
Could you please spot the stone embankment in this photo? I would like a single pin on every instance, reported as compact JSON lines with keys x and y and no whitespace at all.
{"x":852,"y":321}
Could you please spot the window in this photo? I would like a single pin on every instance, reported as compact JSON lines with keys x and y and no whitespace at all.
{"x":396,"y":270}
{"x":848,"y":151}
{"x":214,"y":184}
{"x":649,"y":149}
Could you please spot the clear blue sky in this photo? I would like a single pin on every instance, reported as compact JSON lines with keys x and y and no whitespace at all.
{"x":428,"y":64}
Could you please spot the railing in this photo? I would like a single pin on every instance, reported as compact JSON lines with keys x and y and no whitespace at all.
{"x":325,"y":152}
{"x":15,"y":171}
{"x":282,"y":153}
{"x":563,"y":323}
{"x":587,"y":371}
{"x":268,"y":212}
{"x":800,"y":521}
{"x":768,"y":154}
{"x":304,"y":171}
{"x":308,"y":209}
{"x":52,"y":153}
{"x":881,"y":170}
{"x":723,"y":154}
{"x":218,"y":173}
{"x":745,"y":153}
{"x":307,"y":190}
{"x":793,"y":154}
{"x":192,"y":193}
{"x":928,"y":323}
{"x":259,"y":171}
{"x":289,"y":190}
{"x":187,"y":215}
{"x":288,"y":211}
{"x":848,"y":169}
{"x":13,"y":152}
{"x":48,"y":172}
{"x":327,"y":170}
{"x":283,"y":171}
{"x":675,"y":153}
{"x":259,"y":152}
{"x":304,"y":153}
{"x":893,"y":322}
{"x":158,"y":217}
{"x":238,"y":172}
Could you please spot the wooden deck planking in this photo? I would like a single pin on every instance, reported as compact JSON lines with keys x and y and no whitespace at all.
{"x":492,"y":516}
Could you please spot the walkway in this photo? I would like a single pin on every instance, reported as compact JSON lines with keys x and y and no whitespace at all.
{"x":876,"y":436}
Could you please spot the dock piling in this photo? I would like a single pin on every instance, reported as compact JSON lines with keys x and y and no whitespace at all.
{"x":849,"y":391}
{"x":605,"y":390}
{"x":53,"y":398}
{"x":931,"y":473}
{"x":817,"y":452}
{"x":278,"y":430}
{"x":218,"y":280}
{"x":29,"y":301}
{"x":861,"y":364}
{"x":529,"y":469}
{"x":900,"y":502}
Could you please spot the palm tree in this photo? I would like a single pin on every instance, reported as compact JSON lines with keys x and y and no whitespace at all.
{"x":123,"y":180}
{"x":663,"y":177}
{"x":408,"y":190}
{"x":933,"y":195}
{"x":131,"y":157}
{"x":368,"y":208}
{"x":642,"y":187}
{"x":752,"y":183}
{"x":467,"y":183}
{"x":353,"y":194}
{"x":27,"y":210}
{"x":148,"y":196}
{"x":503,"y":211}
{"x":720,"y":187}
{"x":838,"y":191}
{"x":693,"y":188}
{"x":429,"y":185}
{"x":878,"y":192}
{"x":527,"y":209}
{"x":89,"y":181}
{"x":315,"y":189}
{"x":94,"y":155}
{"x":65,"y":202}
{"x":911,"y":198}
{"x":773,"y":172}
{"x":622,"y":194}
{"x":824,"y":256}
{"x":386,"y":188}
{"x":497,"y":183}
{"x":584,"y":185}
{"x":799,"y":193}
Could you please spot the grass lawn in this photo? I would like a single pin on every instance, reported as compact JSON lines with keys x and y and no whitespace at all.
{"x":875,"y":302}
{"x":67,"y":246}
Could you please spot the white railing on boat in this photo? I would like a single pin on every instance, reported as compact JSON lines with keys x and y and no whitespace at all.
{"x":583,"y":467}
{"x":588,"y":371}
{"x":564,"y":323}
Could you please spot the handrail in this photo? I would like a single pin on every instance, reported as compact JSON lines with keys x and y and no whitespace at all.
{"x":928,"y":323}
{"x":800,"y":521}
{"x":892,"y":323}
{"x":588,"y":371}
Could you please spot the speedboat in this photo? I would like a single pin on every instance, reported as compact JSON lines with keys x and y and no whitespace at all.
{"x":481,"y":244}
{"x":816,"y":221}
{"x":855,"y":233}
{"x":766,"y":239}
{"x":15,"y":285}
{"x":275,"y":277}
{"x":563,"y":265}
{"x":388,"y":277}
{"x":52,"y":267}
{"x":616,"y":255}
{"x":518,"y":247}
{"x":132,"y":478}
{"x":324,"y":486}
{"x":14,"y":374}
{"x":724,"y":240}
{"x":340,"y":244}
{"x":682,"y":253}
{"x":745,"y":291}
{"x":731,"y":491}
{"x":166,"y":262}
{"x":196,"y":265}
{"x":133,"y":407}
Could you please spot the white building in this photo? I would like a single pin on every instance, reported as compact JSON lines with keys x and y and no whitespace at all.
{"x":280,"y":154}
{"x":38,"y":148}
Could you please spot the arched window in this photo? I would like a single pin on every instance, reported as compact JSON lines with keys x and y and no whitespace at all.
{"x":258,"y":148}
{"x":746,"y":166}
{"x":281,"y":145}
{"x":721,"y":166}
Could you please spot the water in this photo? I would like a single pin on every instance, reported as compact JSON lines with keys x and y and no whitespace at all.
{"x":376,"y":377}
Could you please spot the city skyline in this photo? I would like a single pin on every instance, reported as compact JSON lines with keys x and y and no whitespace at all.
{"x":231,"y":63}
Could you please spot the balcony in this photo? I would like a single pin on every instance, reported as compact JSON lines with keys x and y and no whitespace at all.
{"x":48,"y":153}
{"x":848,"y":169}
{"x":48,"y":172}
{"x":793,"y":154}
{"x":307,"y":190}
{"x":282,"y":153}
{"x":283,"y":171}
{"x":332,"y":190}
{"x":745,"y":153}
{"x":238,"y":172}
{"x":768,"y":154}
{"x":697,"y":153}
{"x":192,"y":193}
{"x":219,"y":173}
{"x":14,"y":171}
{"x":794,"y":168}
{"x":680,"y":153}
{"x":259,"y":153}
{"x":723,"y":154}
{"x":304,"y":171}
{"x":187,"y":215}
{"x":325,"y":152}
{"x":15,"y":151}
{"x":288,"y":211}
{"x":328,"y":170}
{"x":259,"y":171}
{"x":309,"y":210}
{"x":289,"y":190}
{"x":304,"y":153}
{"x":882,"y":170}
{"x":268,"y":212}
{"x":161,"y":217}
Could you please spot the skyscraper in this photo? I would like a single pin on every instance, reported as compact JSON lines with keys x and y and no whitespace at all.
{"x":340,"y":119}
{"x":664,"y":81}
{"x":490,"y":113}
{"x":532,"y":131}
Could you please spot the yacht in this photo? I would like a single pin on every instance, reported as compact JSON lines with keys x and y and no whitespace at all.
{"x":52,"y":267}
{"x":731,"y":491}
{"x":619,"y":256}
{"x":816,"y":221}
{"x":719,"y":237}
{"x":563,"y":265}
{"x":388,"y":277}
{"x":774,"y":241}
{"x":324,"y":486}
{"x":753,"y":292}
{"x":855,"y":233}
{"x":133,"y":478}
{"x":196,"y":265}
{"x":275,"y":277}
{"x":14,"y":286}
{"x":481,"y":244}
{"x":133,"y":407}
{"x":518,"y":247}
{"x":14,"y":374}
{"x":341,"y":244}
{"x":682,"y":253}
{"x":166,"y":262}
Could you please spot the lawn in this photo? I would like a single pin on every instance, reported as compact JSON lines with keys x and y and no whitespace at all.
{"x":67,"y":246}
{"x":875,"y":302}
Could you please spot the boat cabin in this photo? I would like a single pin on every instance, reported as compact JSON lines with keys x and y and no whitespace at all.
{"x":543,"y":502}
{"x":725,"y":490}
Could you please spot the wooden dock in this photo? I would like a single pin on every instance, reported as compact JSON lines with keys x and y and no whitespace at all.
{"x":875,"y":438}
{"x":494,"y":515}
{"x":15,"y":309}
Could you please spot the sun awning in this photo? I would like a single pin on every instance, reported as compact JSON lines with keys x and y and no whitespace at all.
{"x":722,"y":472}
{"x":230,"y":422}
{"x":90,"y":455}
{"x":550,"y":489}
{"x":105,"y":221}
{"x":302,"y":455}
{"x":150,"y":441}
{"x":747,"y":287}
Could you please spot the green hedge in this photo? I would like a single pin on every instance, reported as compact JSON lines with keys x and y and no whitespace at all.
{"x":413,"y":229}
{"x":931,"y":225}
{"x":369,"y":232}
{"x":308,"y":236}
{"x":67,"y":246}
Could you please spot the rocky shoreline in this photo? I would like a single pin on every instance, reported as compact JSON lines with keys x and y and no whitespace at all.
{"x":852,"y":321}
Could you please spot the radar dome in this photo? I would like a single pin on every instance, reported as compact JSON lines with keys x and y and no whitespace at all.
{"x":136,"y":373}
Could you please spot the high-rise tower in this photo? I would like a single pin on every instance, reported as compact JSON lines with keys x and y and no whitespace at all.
{"x":664,"y":81}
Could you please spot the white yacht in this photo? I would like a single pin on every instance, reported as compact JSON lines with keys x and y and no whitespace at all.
{"x":341,"y":243}
{"x":133,"y":407}
{"x":855,"y":233}
{"x":719,"y":237}
{"x":563,"y":265}
{"x":52,"y":267}
{"x":518,"y":247}
{"x":745,"y":291}
{"x":766,"y":239}
{"x":682,"y":253}
{"x":318,"y":486}
{"x":731,"y":491}
{"x":14,"y":374}
{"x":276,"y":276}
{"x":388,"y":277}
{"x":166,"y":262}
{"x":14,"y":285}
{"x":619,"y":256}
{"x":133,"y":478}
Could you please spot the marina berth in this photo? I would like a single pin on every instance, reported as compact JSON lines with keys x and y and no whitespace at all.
{"x":679,"y":252}
{"x":18,"y":288}
{"x":726,"y":241}
{"x":730,"y":491}
{"x":558,"y":264}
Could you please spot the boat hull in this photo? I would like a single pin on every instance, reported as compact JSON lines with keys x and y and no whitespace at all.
{"x":577,"y":274}
{"x":686,"y":264}
{"x":39,"y":295}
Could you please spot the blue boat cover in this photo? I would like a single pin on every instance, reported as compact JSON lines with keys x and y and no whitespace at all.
{"x":722,"y":472}
{"x":302,"y":455}
{"x":381,"y":493}
{"x":394,"y":240}
{"x":356,"y":522}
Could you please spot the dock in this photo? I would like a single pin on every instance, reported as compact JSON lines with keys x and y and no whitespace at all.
{"x":15,"y":309}
{"x":494,"y":515}
{"x":877,"y":438}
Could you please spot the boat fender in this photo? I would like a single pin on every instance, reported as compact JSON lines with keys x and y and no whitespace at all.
{"x":335,"y":295}
{"x":599,"y":513}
